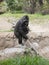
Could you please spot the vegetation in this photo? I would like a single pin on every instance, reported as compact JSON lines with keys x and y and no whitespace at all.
{"x":31,"y":16}
{"x":29,"y":6}
{"x":19,"y":8}
{"x":25,"y":60}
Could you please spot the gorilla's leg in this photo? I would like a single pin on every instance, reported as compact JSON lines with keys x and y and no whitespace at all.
{"x":20,"y":39}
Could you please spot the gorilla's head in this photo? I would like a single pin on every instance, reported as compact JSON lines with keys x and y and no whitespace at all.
{"x":25,"y":20}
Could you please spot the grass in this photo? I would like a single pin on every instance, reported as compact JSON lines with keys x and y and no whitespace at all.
{"x":6,"y":30}
{"x":25,"y":60}
{"x":32,"y":17}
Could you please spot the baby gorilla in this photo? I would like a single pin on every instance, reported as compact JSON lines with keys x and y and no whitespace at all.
{"x":21,"y":29}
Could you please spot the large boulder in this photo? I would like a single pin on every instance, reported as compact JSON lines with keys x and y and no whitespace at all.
{"x":11,"y":52}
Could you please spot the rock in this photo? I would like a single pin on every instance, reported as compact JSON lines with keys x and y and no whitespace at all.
{"x":44,"y":52}
{"x":7,"y":40}
{"x":11,"y":52}
{"x":38,"y":39}
{"x":35,"y":47}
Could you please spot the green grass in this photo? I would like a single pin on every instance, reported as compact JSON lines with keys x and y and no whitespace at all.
{"x":32,"y":16}
{"x":25,"y":60}
{"x":6,"y":30}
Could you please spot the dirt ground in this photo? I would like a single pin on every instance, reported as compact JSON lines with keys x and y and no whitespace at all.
{"x":38,"y":37}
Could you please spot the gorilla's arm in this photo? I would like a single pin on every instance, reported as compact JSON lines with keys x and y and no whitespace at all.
{"x":22,"y":32}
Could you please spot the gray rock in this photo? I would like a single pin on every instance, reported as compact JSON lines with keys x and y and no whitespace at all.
{"x":11,"y":52}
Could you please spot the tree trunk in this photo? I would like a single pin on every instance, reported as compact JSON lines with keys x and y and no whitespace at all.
{"x":32,"y":6}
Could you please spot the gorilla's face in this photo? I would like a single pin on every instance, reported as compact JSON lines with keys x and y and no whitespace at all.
{"x":26,"y":20}
{"x":26,"y":23}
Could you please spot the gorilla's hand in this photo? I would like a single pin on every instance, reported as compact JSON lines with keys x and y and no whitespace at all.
{"x":25,"y":37}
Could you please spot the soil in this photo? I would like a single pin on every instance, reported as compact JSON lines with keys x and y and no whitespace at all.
{"x":38,"y":37}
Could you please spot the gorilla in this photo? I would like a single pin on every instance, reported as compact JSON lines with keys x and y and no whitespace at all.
{"x":21,"y":29}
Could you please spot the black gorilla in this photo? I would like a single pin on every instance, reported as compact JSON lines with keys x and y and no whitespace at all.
{"x":21,"y":29}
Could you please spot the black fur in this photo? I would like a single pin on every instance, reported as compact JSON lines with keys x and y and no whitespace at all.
{"x":21,"y":28}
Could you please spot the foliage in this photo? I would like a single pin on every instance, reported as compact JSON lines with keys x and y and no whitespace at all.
{"x":3,"y":7}
{"x":25,"y":60}
{"x":29,"y":6}
{"x":13,"y":5}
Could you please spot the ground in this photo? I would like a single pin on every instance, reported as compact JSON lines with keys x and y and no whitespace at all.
{"x":38,"y":37}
